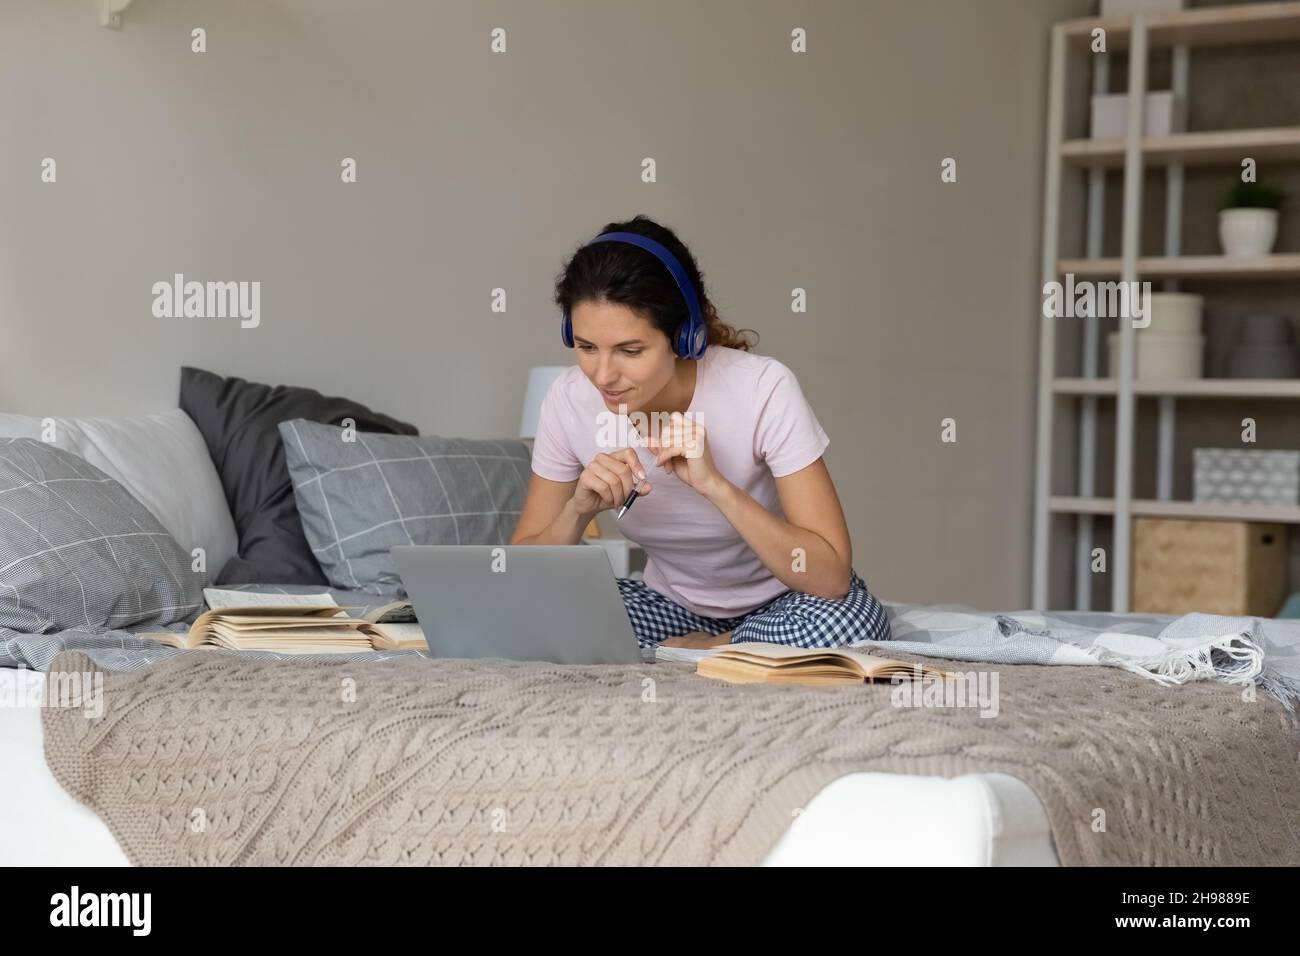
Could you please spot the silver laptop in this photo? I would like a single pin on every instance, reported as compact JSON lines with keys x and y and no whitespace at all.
{"x":556,"y":603}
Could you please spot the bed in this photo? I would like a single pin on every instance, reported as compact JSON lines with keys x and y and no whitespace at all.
{"x":980,"y":803}
{"x":208,"y":757}
{"x":986,"y":819}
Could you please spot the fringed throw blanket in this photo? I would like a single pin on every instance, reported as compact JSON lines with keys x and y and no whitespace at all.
{"x":214,"y":758}
{"x":1262,"y":652}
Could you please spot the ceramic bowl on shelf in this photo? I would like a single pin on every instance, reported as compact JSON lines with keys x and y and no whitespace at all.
{"x":1264,"y":348}
{"x":1265,"y":329}
{"x":1264,"y":361}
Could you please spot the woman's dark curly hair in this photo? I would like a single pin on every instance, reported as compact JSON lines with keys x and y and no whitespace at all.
{"x":629,"y":275}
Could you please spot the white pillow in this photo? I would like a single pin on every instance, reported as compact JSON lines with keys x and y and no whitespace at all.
{"x":163,"y":461}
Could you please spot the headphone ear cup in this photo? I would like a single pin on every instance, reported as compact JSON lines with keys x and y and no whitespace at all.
{"x":682,"y":341}
{"x":701,"y":342}
{"x":691,"y":341}
{"x":566,"y":330}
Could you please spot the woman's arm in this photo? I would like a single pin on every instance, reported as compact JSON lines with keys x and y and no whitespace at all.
{"x":549,"y":516}
{"x":814,"y":523}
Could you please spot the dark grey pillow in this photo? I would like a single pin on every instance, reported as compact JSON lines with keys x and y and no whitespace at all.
{"x":77,"y":550}
{"x":359,"y":498}
{"x":238,"y":422}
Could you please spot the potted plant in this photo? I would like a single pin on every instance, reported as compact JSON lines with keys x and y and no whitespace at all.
{"x":1248,"y":221}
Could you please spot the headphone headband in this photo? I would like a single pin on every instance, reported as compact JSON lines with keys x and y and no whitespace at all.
{"x":691,"y":338}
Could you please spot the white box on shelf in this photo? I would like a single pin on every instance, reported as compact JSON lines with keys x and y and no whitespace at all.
{"x":1241,"y":476}
{"x":1175,"y":313}
{"x":1118,"y":8}
{"x":1160,"y":355}
{"x":1110,"y":115}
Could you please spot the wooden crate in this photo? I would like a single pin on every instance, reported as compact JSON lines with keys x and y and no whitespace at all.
{"x":1218,"y":567}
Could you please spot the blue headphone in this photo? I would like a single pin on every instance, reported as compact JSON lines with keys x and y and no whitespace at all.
{"x":692,"y":335}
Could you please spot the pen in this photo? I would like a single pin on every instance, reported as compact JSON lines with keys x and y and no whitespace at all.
{"x":636,"y":491}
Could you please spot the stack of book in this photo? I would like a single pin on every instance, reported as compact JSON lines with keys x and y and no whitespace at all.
{"x":295,"y":624}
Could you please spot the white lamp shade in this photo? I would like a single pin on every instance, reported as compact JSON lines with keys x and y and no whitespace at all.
{"x":539,"y":380}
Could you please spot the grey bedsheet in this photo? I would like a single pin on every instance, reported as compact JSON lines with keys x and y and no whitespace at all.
{"x":122,"y":650}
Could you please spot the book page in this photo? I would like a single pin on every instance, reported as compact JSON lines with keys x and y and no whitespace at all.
{"x":764,"y":649}
{"x":220,"y":598}
{"x":252,"y":615}
{"x":396,"y":612}
{"x":283,"y":624}
{"x":687,"y":655}
{"x":400,"y":633}
{"x":871,"y":664}
{"x":277,"y":634}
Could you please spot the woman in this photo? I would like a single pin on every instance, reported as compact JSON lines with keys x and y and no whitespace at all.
{"x":743,"y":532}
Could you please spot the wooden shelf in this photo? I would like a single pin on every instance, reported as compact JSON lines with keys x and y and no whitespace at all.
{"x":1278,"y":266}
{"x":1185,"y":387}
{"x":1147,"y":508}
{"x":1204,"y":26}
{"x":1275,"y":23}
{"x":1277,"y":144}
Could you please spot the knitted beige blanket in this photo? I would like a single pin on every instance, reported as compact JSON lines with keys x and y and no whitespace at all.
{"x":214,"y":758}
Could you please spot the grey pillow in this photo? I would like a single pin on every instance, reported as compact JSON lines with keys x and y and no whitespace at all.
{"x":357,"y":498}
{"x":78,"y":551}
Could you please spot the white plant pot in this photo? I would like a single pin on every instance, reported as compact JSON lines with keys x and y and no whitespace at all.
{"x":1247,"y":232}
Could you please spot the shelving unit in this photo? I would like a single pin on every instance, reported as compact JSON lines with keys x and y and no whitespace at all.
{"x":1186,"y":387}
{"x":1176,"y":509}
{"x":1133,"y":154}
{"x":1191,"y":149}
{"x":1206,"y":26}
{"x":1282,"y":266}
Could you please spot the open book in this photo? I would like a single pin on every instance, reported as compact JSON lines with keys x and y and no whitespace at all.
{"x":295,"y":624}
{"x":393,"y":627}
{"x":754,"y":663}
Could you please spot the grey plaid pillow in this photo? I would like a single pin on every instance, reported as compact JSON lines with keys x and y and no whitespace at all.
{"x":359,"y":497}
{"x":77,"y":550}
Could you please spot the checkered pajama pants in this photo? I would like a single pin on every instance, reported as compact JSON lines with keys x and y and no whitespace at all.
{"x":794,"y":618}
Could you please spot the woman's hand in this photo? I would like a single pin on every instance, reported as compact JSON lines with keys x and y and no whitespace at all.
{"x":682,"y":449}
{"x":607,"y":481}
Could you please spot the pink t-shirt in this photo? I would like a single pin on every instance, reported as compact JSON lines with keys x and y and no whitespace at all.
{"x":758,"y":426}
